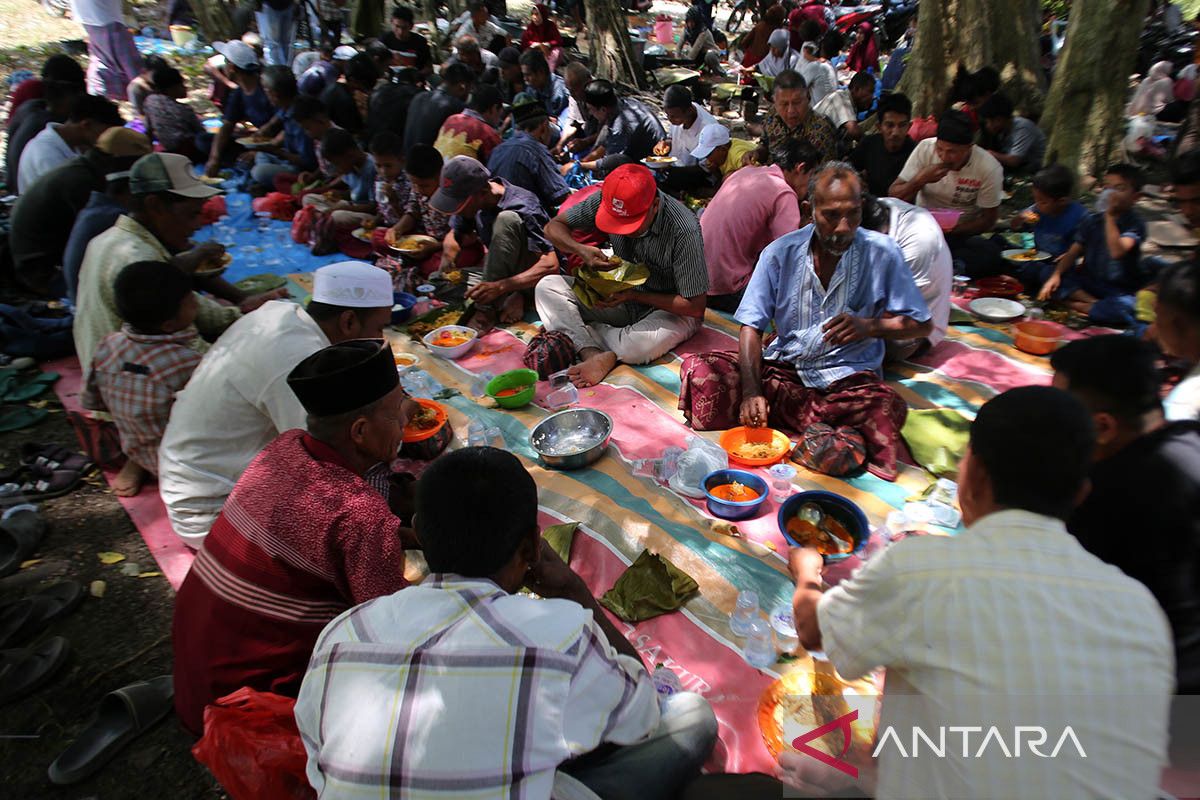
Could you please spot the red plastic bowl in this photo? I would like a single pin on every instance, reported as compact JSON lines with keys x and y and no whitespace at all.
{"x":1004,"y":286}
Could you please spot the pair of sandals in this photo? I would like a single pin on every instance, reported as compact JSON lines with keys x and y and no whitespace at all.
{"x":25,"y":670}
{"x":123,"y":714}
{"x":46,"y":471}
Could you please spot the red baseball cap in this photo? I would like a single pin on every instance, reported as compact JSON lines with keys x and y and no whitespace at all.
{"x":625,"y":198}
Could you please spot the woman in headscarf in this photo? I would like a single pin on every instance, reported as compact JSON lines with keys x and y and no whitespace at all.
{"x":542,"y":33}
{"x":1154,"y":92}
{"x":754,"y":44}
{"x":781,"y":57}
{"x":864,"y":53}
{"x":697,"y":44}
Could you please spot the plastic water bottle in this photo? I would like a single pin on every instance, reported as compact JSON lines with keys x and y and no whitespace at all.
{"x":1104,"y":200}
{"x":666,"y":682}
{"x":744,"y":613}
{"x":784,"y":626}
{"x":781,"y":481}
{"x":759,"y":650}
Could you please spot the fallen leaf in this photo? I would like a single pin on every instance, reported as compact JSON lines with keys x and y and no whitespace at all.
{"x":30,"y":562}
{"x":150,"y":575}
{"x":97,"y":588}
{"x":770,"y":546}
{"x":108,"y":558}
{"x":131,"y":568}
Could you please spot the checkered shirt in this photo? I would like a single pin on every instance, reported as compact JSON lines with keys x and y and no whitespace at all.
{"x":135,"y":377}
{"x":454,"y":688}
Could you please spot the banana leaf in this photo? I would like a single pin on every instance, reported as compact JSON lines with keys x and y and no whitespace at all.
{"x":651,"y":586}
{"x":766,"y":82}
{"x":668,"y":76}
{"x":560,"y":538}
{"x":726,"y":91}
{"x":591,"y":284}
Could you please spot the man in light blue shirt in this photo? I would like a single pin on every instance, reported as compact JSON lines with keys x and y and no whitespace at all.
{"x":833,"y":292}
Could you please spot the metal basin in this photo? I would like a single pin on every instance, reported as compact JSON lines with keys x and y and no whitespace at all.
{"x":573,"y":438}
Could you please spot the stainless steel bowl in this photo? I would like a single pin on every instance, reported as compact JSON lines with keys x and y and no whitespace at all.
{"x":573,"y":438}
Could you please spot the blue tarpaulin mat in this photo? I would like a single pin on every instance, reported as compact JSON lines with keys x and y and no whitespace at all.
{"x":259,"y":245}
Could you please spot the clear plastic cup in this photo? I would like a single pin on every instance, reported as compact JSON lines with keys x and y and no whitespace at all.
{"x":563,"y":393}
{"x":477,"y":434}
{"x":744,"y":613}
{"x":781,"y":481}
{"x":759,"y":650}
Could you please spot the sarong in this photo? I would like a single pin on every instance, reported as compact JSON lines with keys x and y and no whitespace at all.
{"x":113,"y":60}
{"x":710,"y":398}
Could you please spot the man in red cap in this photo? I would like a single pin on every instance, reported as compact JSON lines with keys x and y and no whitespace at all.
{"x":644,"y":226}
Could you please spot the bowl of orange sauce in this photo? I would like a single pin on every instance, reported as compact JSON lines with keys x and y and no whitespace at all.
{"x":734,"y":493}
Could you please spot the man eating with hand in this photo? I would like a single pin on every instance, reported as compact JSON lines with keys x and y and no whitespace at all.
{"x":834,"y":292}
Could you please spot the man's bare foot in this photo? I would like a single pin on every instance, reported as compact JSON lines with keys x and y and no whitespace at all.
{"x":254,"y":301}
{"x":129,"y":480}
{"x":593,"y":369}
{"x":513,"y":308}
{"x":482,"y":319}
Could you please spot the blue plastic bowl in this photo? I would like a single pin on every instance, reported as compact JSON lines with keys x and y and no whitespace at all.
{"x":844,"y":511}
{"x":729,"y":509}
{"x":405,"y":301}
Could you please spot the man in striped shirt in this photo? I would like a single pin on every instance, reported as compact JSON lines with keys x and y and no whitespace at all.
{"x":644,"y":226}
{"x":1010,"y":626}
{"x":461,"y":687}
{"x":833,"y":292}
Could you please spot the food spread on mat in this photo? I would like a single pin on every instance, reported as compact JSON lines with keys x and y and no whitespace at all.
{"x":734,"y":492}
{"x":422,"y":420}
{"x":757,"y":450}
{"x":812,"y":527}
{"x":419,"y":329}
{"x":452,"y":338}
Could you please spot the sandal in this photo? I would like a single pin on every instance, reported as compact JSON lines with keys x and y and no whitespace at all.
{"x":20,"y":535}
{"x":23,"y":619}
{"x":55,"y":456}
{"x":24,"y":671}
{"x":44,"y":483}
{"x":123,"y":715}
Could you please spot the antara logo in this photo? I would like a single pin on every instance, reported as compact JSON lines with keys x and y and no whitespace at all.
{"x":842,"y":723}
{"x":618,"y":206}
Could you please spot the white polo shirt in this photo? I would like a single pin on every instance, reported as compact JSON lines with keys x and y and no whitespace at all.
{"x":236,"y":402}
{"x":979,"y":184}
{"x":1010,"y":623}
{"x":927,"y":256}
{"x":43,"y":153}
{"x":685,"y":140}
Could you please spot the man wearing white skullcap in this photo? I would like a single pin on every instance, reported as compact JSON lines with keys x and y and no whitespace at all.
{"x":238,"y":399}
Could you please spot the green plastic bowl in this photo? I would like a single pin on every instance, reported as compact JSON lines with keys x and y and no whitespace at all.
{"x":507,"y":380}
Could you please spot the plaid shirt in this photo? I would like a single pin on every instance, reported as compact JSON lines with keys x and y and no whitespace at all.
{"x":135,"y":377}
{"x":454,"y":688}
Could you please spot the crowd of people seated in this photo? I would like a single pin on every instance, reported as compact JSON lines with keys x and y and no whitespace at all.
{"x":264,"y":423}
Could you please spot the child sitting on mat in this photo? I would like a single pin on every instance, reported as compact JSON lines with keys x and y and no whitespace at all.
{"x":137,"y":370}
{"x":353,"y":206}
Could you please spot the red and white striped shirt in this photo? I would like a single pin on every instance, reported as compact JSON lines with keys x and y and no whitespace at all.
{"x":301,"y":539}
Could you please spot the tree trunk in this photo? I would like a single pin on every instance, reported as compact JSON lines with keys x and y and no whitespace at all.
{"x":367,"y":18}
{"x":609,"y":44}
{"x":215,"y":18}
{"x":975,"y":33}
{"x":1085,"y":110}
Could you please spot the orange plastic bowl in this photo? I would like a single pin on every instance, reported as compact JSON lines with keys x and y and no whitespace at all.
{"x":734,"y":438}
{"x":1037,"y":338}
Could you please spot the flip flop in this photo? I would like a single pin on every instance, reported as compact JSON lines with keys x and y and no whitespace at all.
{"x":123,"y":715}
{"x":45,"y":483}
{"x":55,"y":456}
{"x":24,"y":671}
{"x":20,"y":535}
{"x":23,"y":619}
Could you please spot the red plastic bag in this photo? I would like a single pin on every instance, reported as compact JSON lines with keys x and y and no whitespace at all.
{"x":303,"y":224}
{"x":213,"y":210}
{"x":280,"y":206}
{"x":923,"y":128}
{"x":252,"y":746}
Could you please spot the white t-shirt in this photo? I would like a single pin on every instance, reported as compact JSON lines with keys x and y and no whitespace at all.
{"x":1009,"y":623}
{"x":97,"y":12}
{"x":820,"y":77}
{"x":685,"y":140}
{"x":43,"y":153}
{"x":979,"y":184}
{"x":838,"y":108}
{"x":927,"y":255}
{"x":1183,"y":403}
{"x":236,"y":402}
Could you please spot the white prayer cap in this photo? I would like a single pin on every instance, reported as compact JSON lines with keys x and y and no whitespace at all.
{"x":352,"y":284}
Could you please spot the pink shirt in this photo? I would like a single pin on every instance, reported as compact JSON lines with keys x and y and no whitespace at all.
{"x":754,"y":207}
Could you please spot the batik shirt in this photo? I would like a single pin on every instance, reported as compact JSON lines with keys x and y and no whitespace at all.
{"x":815,"y":129}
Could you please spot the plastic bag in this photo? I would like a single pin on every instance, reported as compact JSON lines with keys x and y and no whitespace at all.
{"x":701,"y":458}
{"x":252,"y":746}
